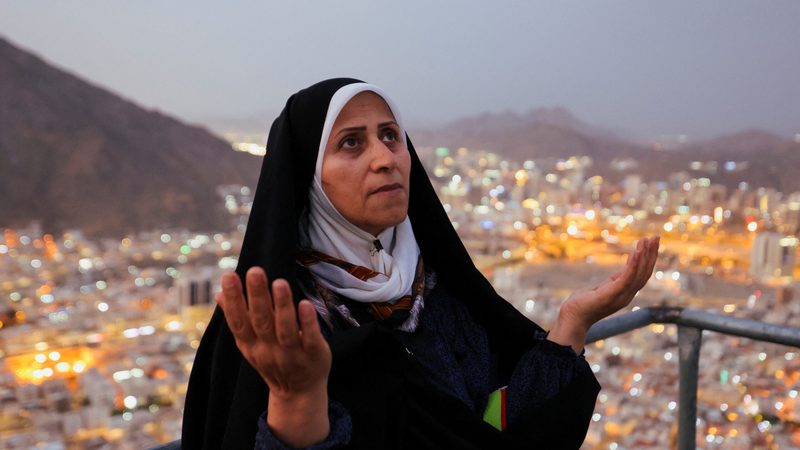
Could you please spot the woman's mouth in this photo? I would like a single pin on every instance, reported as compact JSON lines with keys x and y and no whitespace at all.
{"x":387,"y":188}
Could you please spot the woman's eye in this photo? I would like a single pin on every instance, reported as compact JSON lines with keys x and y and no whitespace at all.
{"x":350,"y":142}
{"x":389,"y":135}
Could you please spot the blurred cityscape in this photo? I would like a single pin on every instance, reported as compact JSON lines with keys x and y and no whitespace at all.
{"x":97,"y":336}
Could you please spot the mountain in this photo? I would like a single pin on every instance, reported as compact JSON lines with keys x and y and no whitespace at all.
{"x":554,"y":133}
{"x":74,"y":155}
{"x":539,"y":133}
{"x":543,"y":134}
{"x":772,"y":161}
{"x":556,"y":117}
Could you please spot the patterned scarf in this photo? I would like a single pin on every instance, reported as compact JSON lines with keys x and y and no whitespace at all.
{"x":402,"y":313}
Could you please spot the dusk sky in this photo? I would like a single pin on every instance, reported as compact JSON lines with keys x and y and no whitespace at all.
{"x":643,"y":68}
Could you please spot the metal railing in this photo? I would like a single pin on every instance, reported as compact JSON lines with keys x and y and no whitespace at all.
{"x":691,"y":323}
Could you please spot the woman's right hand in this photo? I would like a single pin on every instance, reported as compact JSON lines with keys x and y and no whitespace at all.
{"x":293,"y":360}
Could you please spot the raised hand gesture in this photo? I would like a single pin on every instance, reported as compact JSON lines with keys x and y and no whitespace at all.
{"x":293,"y":360}
{"x":586,"y":306}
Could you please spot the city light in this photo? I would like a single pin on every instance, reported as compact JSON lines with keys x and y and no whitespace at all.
{"x":130,"y":402}
{"x":529,"y":305}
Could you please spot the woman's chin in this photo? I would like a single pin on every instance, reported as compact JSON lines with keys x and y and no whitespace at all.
{"x":386,"y":219}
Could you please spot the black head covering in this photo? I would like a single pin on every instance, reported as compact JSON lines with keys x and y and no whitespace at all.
{"x":226,"y":395}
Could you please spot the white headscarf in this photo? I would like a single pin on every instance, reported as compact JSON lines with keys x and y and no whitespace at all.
{"x":327,"y":231}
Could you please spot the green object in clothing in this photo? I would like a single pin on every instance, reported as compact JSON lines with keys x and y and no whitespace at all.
{"x":495,"y":413}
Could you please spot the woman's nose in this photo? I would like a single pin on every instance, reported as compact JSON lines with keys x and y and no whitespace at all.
{"x":383,"y":158}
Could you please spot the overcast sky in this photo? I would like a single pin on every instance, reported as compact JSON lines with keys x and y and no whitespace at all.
{"x":642,"y":67}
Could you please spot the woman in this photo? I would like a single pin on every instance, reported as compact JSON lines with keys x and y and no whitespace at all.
{"x":402,"y":342}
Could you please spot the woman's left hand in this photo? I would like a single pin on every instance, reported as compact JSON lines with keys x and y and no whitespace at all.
{"x":586,"y":306}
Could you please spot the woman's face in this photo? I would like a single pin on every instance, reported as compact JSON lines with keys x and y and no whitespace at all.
{"x":365,"y":168}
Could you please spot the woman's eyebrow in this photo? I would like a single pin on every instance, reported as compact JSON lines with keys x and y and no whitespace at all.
{"x":364,"y":128}
{"x":351,"y":129}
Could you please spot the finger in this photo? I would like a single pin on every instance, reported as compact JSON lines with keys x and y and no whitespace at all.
{"x":641,"y":251}
{"x":617,"y":289}
{"x":620,"y":288}
{"x":285,"y":320}
{"x":311,"y":336}
{"x":648,"y":261}
{"x":627,"y":283}
{"x":656,"y":246}
{"x":631,"y":268}
{"x":262,"y":318}
{"x":652,"y":257}
{"x":644,"y":269}
{"x":631,"y":260}
{"x":233,"y":307}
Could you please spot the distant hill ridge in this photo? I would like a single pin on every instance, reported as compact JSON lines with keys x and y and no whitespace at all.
{"x":555,"y":133}
{"x":76,"y":155}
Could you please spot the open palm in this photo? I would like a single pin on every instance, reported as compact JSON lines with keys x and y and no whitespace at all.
{"x":292,"y":359}
{"x":588,"y":305}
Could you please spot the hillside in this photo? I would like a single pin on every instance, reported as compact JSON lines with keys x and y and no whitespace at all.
{"x":76,"y":155}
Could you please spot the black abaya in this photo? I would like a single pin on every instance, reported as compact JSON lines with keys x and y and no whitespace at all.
{"x":387,"y":393}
